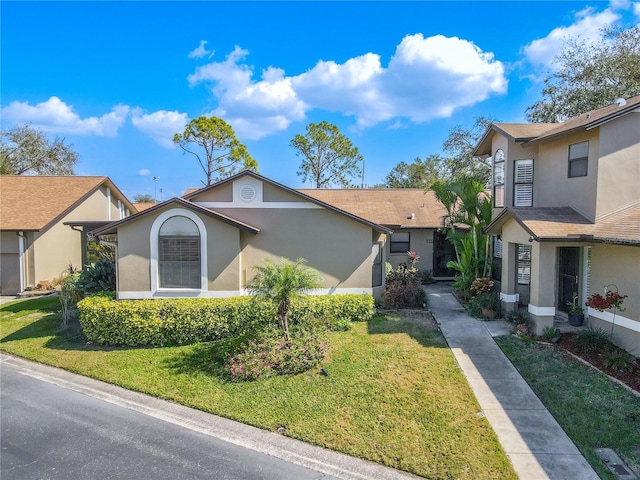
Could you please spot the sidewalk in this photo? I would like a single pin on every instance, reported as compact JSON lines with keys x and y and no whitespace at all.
{"x":535,"y":444}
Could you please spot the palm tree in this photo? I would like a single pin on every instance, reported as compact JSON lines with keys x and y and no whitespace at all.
{"x":282,"y":282}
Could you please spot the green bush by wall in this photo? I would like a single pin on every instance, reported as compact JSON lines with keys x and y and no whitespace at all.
{"x":189,"y":320}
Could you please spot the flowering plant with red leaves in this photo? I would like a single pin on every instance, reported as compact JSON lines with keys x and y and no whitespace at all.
{"x":413,"y":258}
{"x":610,"y":300}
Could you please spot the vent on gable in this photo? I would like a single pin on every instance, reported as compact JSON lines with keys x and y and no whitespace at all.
{"x":247,"y":193}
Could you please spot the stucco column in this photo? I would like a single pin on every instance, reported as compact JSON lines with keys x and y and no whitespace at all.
{"x":543,"y":285}
{"x":508,"y":294}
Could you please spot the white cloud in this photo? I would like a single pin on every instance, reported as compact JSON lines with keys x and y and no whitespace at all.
{"x":636,"y":9}
{"x":55,"y":116}
{"x":426,"y":78}
{"x":161,"y":125}
{"x":587,"y":26}
{"x":201,"y":51}
{"x":144,"y":171}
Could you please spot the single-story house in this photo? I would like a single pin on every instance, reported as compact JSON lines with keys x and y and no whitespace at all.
{"x":205,"y":243}
{"x":44,"y":222}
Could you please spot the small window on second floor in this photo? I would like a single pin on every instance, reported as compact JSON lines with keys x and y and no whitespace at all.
{"x":498,"y":179}
{"x":578,"y":159}
{"x":399,"y":242}
{"x":523,"y":183}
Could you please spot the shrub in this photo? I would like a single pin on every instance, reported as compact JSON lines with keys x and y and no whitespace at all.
{"x":550,"y":332}
{"x":592,"y":340}
{"x":481,"y":286}
{"x":403,"y":289}
{"x":189,"y":320}
{"x":427,"y":277}
{"x":487,"y":301}
{"x":278,"y":356}
{"x":99,"y":276}
{"x":618,"y":360}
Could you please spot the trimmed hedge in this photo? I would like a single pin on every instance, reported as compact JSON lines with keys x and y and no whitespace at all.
{"x":178,"y":321}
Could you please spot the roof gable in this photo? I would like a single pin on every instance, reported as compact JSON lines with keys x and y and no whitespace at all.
{"x":113,"y":227}
{"x":287,"y":193}
{"x":35,"y":202}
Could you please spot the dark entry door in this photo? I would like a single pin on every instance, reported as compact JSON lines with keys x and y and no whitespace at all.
{"x":568,"y":271}
{"x":443,"y":251}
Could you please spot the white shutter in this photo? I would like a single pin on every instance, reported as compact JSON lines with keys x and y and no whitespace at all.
{"x":523,"y":183}
{"x":497,"y":247}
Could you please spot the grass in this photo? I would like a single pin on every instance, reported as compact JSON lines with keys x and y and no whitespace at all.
{"x":593,"y":410}
{"x":393,"y":394}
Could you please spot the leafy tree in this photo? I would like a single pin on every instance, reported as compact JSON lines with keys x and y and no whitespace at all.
{"x":26,"y":150}
{"x":589,"y":76}
{"x":418,"y":174}
{"x":213,"y":142}
{"x":144,"y":198}
{"x":328,"y":157}
{"x":466,"y":207}
{"x":459,"y":145}
{"x":282,"y":282}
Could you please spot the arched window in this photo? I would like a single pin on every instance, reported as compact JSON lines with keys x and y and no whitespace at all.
{"x":498,"y":179}
{"x":179,"y":253}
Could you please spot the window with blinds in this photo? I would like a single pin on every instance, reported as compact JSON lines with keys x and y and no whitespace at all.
{"x":523,"y":183}
{"x":578,"y":159}
{"x":524,"y":264}
{"x":179,"y":254}
{"x":498,"y":179}
{"x":399,"y":242}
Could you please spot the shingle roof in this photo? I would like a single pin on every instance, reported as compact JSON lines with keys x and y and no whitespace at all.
{"x":300,"y":193}
{"x":140,"y":206}
{"x":531,"y":133}
{"x":566,"y":224}
{"x":590,"y":119}
{"x":32,"y":202}
{"x":113,"y":227}
{"x":391,"y":207}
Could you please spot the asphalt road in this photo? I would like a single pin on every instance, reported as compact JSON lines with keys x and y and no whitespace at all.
{"x":49,"y":432}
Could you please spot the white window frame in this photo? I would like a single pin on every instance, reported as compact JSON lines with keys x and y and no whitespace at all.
{"x":584,"y":159}
{"x":154,"y":238}
{"x":498,"y":158}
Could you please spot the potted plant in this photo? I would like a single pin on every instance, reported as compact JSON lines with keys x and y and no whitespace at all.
{"x":576,"y":312}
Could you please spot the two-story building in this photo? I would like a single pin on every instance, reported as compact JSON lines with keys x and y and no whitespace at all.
{"x":566,"y":217}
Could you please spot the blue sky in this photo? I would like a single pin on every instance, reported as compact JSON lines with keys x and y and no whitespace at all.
{"x":118,"y":79}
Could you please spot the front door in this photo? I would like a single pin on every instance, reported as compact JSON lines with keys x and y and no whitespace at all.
{"x":568,"y":272}
{"x":443,"y":252}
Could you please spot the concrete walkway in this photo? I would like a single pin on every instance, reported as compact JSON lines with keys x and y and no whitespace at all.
{"x":535,"y":444}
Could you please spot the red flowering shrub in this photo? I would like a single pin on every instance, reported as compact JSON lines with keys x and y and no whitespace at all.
{"x":610,"y":300}
{"x":481,"y":286}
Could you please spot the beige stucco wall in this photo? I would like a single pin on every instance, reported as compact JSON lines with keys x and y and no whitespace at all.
{"x":420,"y":241}
{"x":134,"y":251}
{"x":619,"y":265}
{"x":222,"y":193}
{"x":59,"y":246}
{"x":339,"y":248}
{"x":552,"y":185}
{"x":273,"y":194}
{"x":619,"y":164}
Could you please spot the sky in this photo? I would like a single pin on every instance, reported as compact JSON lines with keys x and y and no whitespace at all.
{"x":118,"y":79}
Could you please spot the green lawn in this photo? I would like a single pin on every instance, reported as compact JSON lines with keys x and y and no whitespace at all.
{"x":593,"y":410}
{"x":394,"y":393}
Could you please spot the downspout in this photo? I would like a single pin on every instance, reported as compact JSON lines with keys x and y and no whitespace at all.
{"x":21,"y":257}
{"x":108,"y":204}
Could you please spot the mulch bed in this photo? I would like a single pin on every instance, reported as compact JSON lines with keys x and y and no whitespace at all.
{"x":630,"y":377}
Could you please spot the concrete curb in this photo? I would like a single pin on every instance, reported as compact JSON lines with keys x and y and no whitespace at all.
{"x":294,"y":451}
